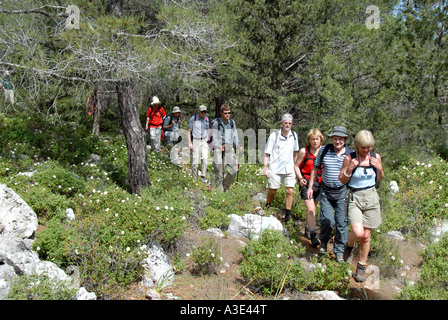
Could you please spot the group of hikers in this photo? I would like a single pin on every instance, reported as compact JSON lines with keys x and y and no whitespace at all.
{"x":341,"y":179}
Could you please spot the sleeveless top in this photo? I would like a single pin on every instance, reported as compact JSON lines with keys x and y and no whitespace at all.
{"x":308,"y":165}
{"x":363,"y":177}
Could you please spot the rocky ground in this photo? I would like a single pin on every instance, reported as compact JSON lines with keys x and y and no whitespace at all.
{"x":227,"y":283}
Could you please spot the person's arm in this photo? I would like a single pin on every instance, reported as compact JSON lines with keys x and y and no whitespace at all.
{"x":297,"y":164}
{"x":266,"y":164}
{"x":348,"y":165}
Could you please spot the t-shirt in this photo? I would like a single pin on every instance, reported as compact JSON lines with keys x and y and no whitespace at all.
{"x":281,"y":152}
{"x":198,"y":126}
{"x":156,"y":115}
{"x":332,"y":165}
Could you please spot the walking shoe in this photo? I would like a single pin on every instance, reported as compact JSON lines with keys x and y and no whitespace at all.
{"x":339,"y":258}
{"x":323,"y":248}
{"x":360,"y":275}
{"x":314,"y":241}
{"x":347,"y":252}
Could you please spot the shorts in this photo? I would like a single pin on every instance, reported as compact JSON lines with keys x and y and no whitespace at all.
{"x":363,"y":206}
{"x":316,"y":194}
{"x":275,"y":180}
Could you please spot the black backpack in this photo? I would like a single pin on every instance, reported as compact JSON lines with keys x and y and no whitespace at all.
{"x":220,"y":126}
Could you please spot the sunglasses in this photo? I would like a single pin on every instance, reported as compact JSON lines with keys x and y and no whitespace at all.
{"x":227,"y":112}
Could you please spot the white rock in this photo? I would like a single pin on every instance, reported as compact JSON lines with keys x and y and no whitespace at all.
{"x":83,"y":294}
{"x":16,"y":217}
{"x":393,"y":186}
{"x":158,"y":268}
{"x":251,"y":225}
{"x":328,"y":295}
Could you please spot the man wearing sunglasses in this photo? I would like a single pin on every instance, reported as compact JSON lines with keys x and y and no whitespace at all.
{"x":225,"y":136}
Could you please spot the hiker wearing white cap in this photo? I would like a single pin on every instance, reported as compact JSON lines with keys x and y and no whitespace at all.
{"x":281,"y":153}
{"x":154,"y":122}
{"x":171,"y":126}
{"x":198,"y":134}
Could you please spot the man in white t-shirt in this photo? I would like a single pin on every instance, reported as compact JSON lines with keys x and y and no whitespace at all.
{"x":281,"y":151}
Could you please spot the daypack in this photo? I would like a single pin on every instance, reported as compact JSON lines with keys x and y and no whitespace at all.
{"x":168,"y":120}
{"x":330,"y":146}
{"x":220,"y":125}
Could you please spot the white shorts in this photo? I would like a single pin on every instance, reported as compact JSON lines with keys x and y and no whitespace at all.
{"x":275,"y":180}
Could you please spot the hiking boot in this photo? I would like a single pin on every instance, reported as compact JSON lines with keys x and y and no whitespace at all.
{"x":287,"y":217}
{"x":323,"y":248}
{"x":339,"y":258}
{"x":347,"y":252}
{"x":314,"y":241}
{"x":360,"y":275}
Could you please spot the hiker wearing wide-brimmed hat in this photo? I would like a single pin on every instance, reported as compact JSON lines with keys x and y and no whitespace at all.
{"x":154,"y":122}
{"x":332,"y":205}
{"x":171,"y":125}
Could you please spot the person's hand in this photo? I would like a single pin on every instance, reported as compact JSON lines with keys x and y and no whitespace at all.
{"x":303,"y":182}
{"x":377,"y":164}
{"x":309,"y":193}
{"x":190,"y":145}
{"x":266,"y":172}
{"x":353,"y":164}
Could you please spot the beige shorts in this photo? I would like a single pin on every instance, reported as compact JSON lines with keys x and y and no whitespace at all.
{"x":364,"y":207}
{"x":275,"y":180}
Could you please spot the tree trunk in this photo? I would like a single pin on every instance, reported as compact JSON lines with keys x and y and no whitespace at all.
{"x":135,"y":137}
{"x":96,"y":114}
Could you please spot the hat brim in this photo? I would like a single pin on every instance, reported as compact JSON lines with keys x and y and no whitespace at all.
{"x":339,"y":134}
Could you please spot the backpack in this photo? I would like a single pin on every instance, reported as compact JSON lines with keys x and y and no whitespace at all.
{"x":168,"y":120}
{"x":220,"y":125}
{"x":151,"y":113}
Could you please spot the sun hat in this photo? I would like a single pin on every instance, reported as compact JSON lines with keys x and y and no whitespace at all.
{"x":339,"y":131}
{"x":155,"y":100}
{"x":176,"y":109}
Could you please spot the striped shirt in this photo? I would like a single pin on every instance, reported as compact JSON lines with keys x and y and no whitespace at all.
{"x":332,"y":165}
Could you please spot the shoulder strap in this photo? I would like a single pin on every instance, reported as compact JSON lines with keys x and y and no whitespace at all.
{"x":307,"y":157}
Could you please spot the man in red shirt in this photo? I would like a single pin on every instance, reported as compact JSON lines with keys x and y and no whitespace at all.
{"x":154,"y":121}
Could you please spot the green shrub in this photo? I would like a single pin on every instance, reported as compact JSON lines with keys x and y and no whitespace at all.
{"x":40,"y":287}
{"x":214,"y":219}
{"x":271,"y":262}
{"x":433,"y":282}
{"x":206,"y":257}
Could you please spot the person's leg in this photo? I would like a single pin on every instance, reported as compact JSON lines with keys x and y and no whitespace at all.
{"x":341,"y":223}
{"x":311,"y":221}
{"x":195,"y":160}
{"x":326,"y":222}
{"x":288,"y":202}
{"x":204,"y":157}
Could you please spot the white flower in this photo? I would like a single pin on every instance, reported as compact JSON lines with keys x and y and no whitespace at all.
{"x":171,"y":208}
{"x":212,"y":254}
{"x":157,"y":208}
{"x":166,"y":207}
{"x":53,"y":176}
{"x":122,"y":232}
{"x":392,"y":257}
{"x":279,"y":255}
{"x":128,"y":249}
{"x":431,"y":182}
{"x":429,"y":165}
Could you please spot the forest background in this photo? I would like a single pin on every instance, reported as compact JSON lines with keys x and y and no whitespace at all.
{"x":376,"y":65}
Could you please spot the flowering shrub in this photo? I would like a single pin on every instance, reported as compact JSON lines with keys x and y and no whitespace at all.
{"x":271,"y":262}
{"x":423,"y":196}
{"x":206,"y":257}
